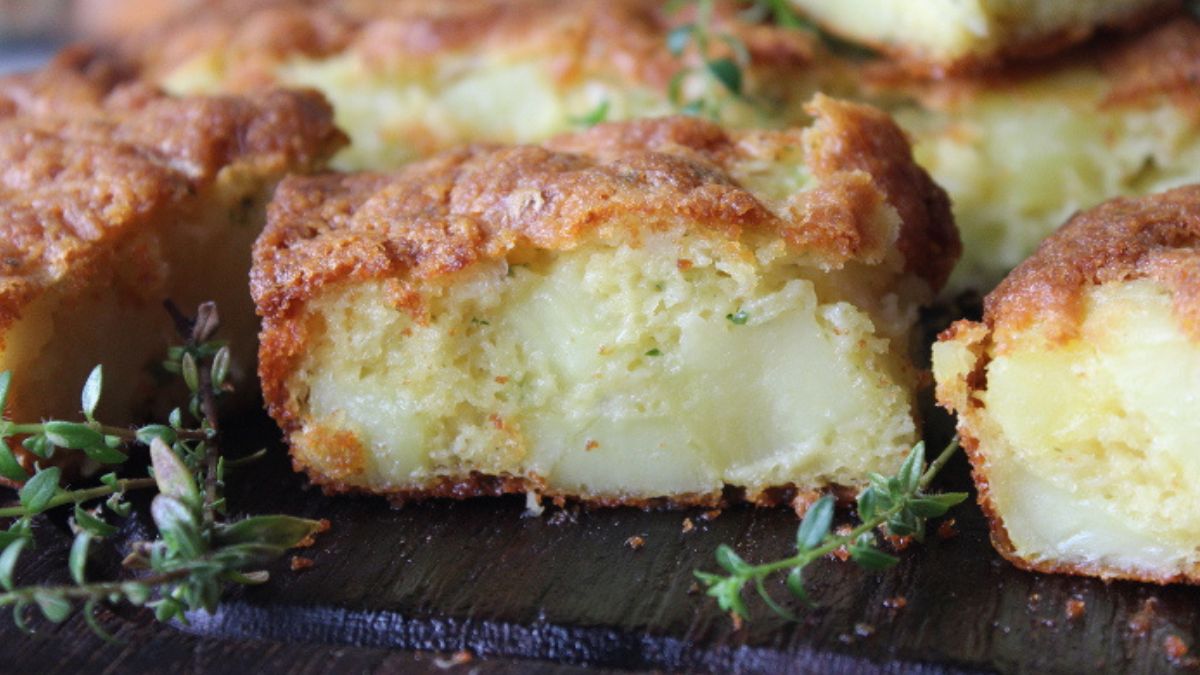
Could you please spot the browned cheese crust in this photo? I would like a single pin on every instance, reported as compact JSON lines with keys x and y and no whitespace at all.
{"x":1124,"y":239}
{"x":627,"y":37}
{"x":432,"y":219}
{"x":1156,"y":236}
{"x":88,"y":158}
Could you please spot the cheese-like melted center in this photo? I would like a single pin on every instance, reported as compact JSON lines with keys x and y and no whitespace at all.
{"x":947,"y":30}
{"x":410,"y":111}
{"x":1099,"y":459}
{"x":613,"y":370}
{"x":1019,"y":161}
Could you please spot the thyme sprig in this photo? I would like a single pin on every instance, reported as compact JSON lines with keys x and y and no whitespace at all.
{"x":899,"y":503}
{"x":197,"y":553}
{"x":718,"y":72}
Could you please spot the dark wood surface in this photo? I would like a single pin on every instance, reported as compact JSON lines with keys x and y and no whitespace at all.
{"x":396,"y":589}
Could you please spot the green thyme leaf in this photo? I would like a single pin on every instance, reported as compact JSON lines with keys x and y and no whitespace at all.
{"x":91,"y":524}
{"x":730,"y":561}
{"x":191,"y":375}
{"x":89,"y":615}
{"x":172,"y":475}
{"x":148,"y":433}
{"x":220,"y":367}
{"x":72,"y":435}
{"x":10,"y":468}
{"x":593,"y":117}
{"x":91,"y":392}
{"x":738,"y":318}
{"x":178,"y":525}
{"x":909,"y":476}
{"x":728,"y":73}
{"x":37,"y":492}
{"x":654,"y":352}
{"x":871,"y":558}
{"x":815,"y":526}
{"x":8,"y":562}
{"x":77,"y":560}
{"x":932,"y":506}
{"x":55,"y":608}
{"x":867,"y":504}
{"x":282,"y":531}
{"x":38,"y":445}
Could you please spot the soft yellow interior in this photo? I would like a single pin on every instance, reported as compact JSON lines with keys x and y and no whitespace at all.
{"x":611,"y":370}
{"x":945,"y":31}
{"x":412,"y":110}
{"x":1019,"y":161}
{"x":117,"y":319}
{"x":1098,"y":458}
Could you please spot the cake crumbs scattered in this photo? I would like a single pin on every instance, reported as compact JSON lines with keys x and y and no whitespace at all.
{"x":947,"y":529}
{"x":591,"y":445}
{"x":458,"y":658}
{"x":533,"y":505}
{"x":736,"y":620}
{"x":688,"y":525}
{"x":694,"y":588}
{"x":323,"y":526}
{"x":1177,"y":652}
{"x":300,"y":563}
{"x":635,"y":542}
{"x":1076,"y":608}
{"x":1141,"y":622}
{"x":899,"y":543}
{"x":864,"y":630}
{"x":1033,"y":600}
{"x":842,"y":553}
{"x":710,"y":514}
{"x":897,"y":602}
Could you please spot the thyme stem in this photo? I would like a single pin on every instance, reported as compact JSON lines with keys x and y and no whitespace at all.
{"x":77,"y":496}
{"x":93,"y":590}
{"x":124,"y":433}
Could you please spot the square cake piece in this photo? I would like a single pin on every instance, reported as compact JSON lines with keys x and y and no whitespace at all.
{"x":1077,"y":395}
{"x":648,"y":311}
{"x":408,"y":78}
{"x":115,"y":197}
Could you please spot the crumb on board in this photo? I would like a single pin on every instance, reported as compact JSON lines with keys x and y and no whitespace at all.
{"x":694,"y":588}
{"x":458,"y":658}
{"x":1142,"y":621}
{"x":533,"y":505}
{"x":842,"y":553}
{"x":899,"y":543}
{"x":736,"y":620}
{"x":711,"y":514}
{"x":896,"y":602}
{"x":591,"y":444}
{"x":323,"y":526}
{"x":863,"y":630}
{"x":1033,"y":600}
{"x":1076,"y":608}
{"x":947,"y":529}
{"x":635,"y":542}
{"x":300,"y":563}
{"x":1177,"y":653}
{"x":688,"y":525}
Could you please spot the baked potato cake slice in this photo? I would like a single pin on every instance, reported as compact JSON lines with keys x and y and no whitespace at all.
{"x":1021,"y":151}
{"x":410,"y":77}
{"x":938,"y":37}
{"x":115,"y":197}
{"x":1076,"y":395}
{"x":651,"y":310}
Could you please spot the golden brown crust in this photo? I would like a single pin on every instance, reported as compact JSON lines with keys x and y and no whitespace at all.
{"x":1165,"y":60}
{"x":89,"y":159}
{"x":1157,"y":237}
{"x":480,"y":203}
{"x":622,"y":37}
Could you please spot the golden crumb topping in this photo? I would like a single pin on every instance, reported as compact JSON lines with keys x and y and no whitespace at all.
{"x":1156,"y":236}
{"x":87,"y":157}
{"x":487,"y":202}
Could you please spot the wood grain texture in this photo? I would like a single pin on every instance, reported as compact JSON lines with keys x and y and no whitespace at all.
{"x":390,"y":588}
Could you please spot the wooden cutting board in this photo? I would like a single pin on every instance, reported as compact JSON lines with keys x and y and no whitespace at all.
{"x":565,"y":589}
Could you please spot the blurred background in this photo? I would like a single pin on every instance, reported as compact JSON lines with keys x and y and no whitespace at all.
{"x":32,"y":30}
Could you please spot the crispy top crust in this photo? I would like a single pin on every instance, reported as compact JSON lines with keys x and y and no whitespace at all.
{"x":1156,"y":237}
{"x":484,"y":202}
{"x":86,"y":158}
{"x":626,"y":37}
